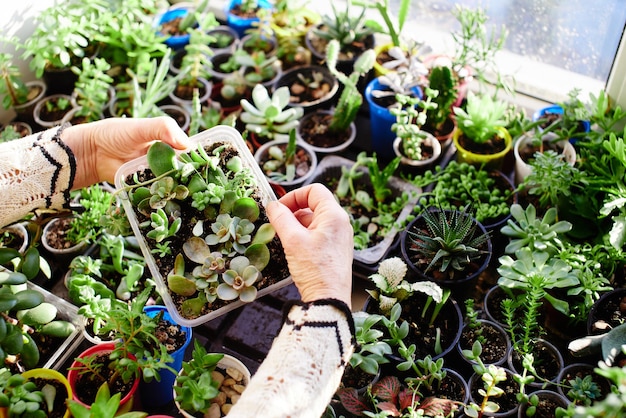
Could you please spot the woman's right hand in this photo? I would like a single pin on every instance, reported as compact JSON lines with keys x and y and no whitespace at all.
{"x":317,"y":237}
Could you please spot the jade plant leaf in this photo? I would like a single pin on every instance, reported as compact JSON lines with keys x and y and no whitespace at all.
{"x":42,"y":314}
{"x":27,"y":299}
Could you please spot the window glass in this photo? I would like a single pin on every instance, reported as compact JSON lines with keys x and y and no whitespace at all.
{"x":545,"y":36}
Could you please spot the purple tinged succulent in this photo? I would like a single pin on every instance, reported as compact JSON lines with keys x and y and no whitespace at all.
{"x":221,"y":230}
{"x":239,"y":281}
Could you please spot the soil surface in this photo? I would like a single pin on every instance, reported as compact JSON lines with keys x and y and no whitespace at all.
{"x":315,"y":131}
{"x":275,"y":271}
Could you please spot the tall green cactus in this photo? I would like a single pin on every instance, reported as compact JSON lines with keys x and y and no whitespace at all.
{"x":351,"y":98}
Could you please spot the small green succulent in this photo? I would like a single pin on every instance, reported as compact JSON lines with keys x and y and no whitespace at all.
{"x":451,"y":242}
{"x":482,"y":118}
{"x":238,"y":280}
{"x":526,"y":229}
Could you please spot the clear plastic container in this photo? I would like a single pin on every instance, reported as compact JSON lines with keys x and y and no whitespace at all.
{"x":218,"y":134}
{"x":65,"y":312}
{"x":332,"y":165}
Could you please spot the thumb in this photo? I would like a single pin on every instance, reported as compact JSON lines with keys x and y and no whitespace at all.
{"x":282,"y":219}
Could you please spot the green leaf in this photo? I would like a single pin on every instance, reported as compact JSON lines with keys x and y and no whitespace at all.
{"x":161,"y":158}
{"x":30,"y":263}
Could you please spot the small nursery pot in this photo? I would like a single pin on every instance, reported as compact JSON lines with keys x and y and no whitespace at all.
{"x":556,"y":361}
{"x":523,"y":169}
{"x":260,"y":156}
{"x":549,"y":401}
{"x":19,"y":236}
{"x":65,"y":252}
{"x":38,"y":112}
{"x":318,"y":117}
{"x":176,"y":42}
{"x":227,"y":361}
{"x":49,"y":374}
{"x":459,"y":285}
{"x":160,"y":393}
{"x":126,"y":403}
{"x":424,"y":163}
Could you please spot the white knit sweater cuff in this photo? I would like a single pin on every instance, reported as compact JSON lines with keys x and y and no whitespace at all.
{"x":304,"y":366}
{"x":37,"y":172}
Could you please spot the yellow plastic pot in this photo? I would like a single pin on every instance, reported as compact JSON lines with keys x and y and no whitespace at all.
{"x":488,"y":161}
{"x":50,"y":374}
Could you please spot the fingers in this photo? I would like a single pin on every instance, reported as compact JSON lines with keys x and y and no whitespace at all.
{"x":307,"y":197}
{"x":282,"y":219}
{"x":168,"y":131}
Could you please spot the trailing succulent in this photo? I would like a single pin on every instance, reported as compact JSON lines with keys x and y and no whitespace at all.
{"x":227,"y":250}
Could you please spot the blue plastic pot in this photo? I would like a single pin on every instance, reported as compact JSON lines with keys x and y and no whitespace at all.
{"x":381,"y":121}
{"x":178,"y":41}
{"x":239,"y":24}
{"x":160,"y":393}
{"x":557,"y":109}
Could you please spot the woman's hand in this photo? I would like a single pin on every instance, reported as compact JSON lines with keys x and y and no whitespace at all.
{"x":318,"y":241}
{"x":102,"y":147}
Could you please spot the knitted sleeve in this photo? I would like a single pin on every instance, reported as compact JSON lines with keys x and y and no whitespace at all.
{"x":36,"y":172}
{"x":304,"y":366}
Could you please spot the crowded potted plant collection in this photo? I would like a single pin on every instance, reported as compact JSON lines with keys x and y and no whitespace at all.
{"x":488,"y":243}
